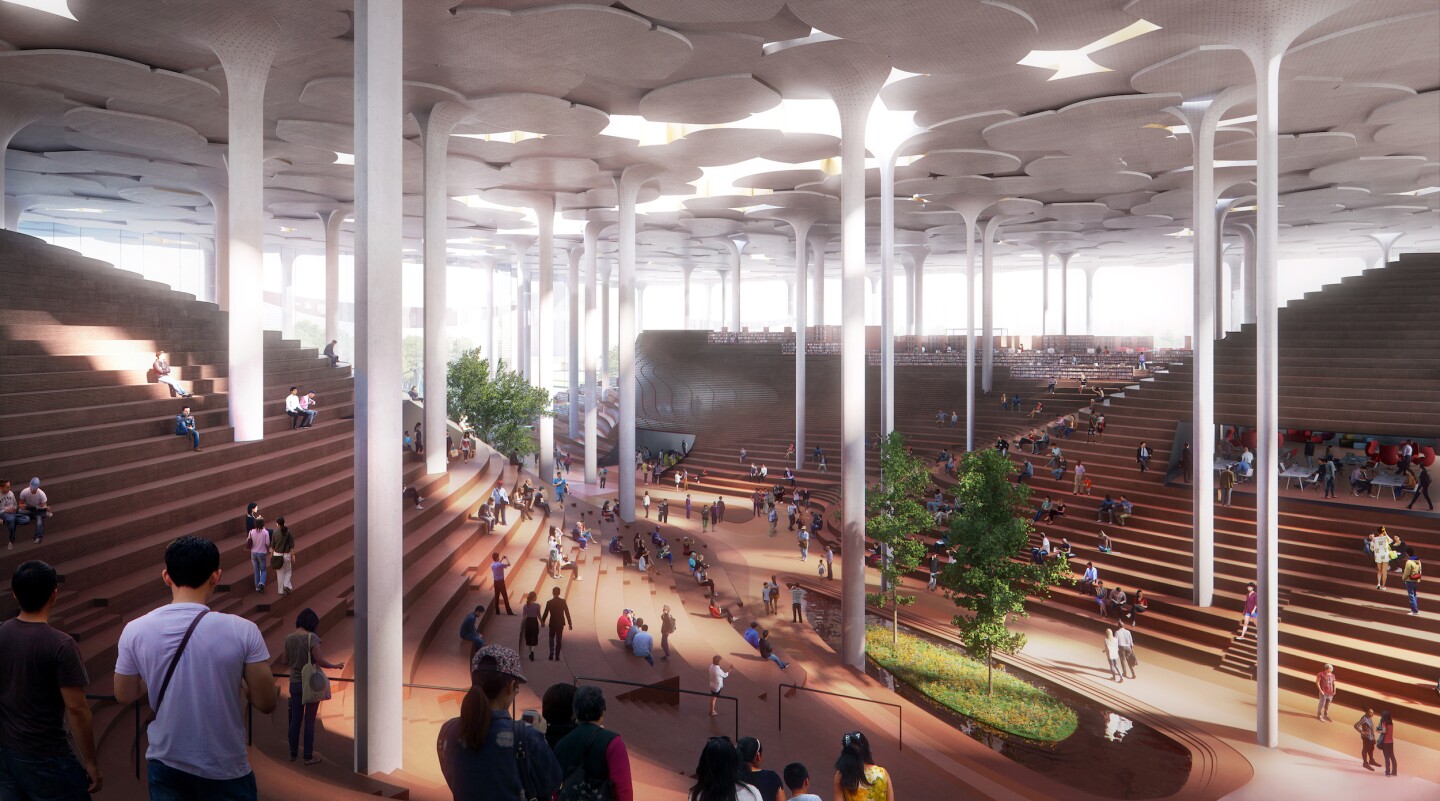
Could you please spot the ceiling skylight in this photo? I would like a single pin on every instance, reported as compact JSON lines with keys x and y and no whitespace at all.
{"x":59,"y":8}
{"x":1070,"y":63}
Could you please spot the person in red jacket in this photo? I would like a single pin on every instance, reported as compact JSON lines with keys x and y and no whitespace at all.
{"x":624,"y":623}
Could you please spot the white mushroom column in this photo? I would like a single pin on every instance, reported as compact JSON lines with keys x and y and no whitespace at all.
{"x":1065,"y":292}
{"x":916,"y":254}
{"x":1247,"y":303}
{"x":436,"y":123}
{"x":1090,"y":270}
{"x":246,"y":55}
{"x":592,"y":343}
{"x":287,"y":291}
{"x":332,"y":219}
{"x":379,"y":553}
{"x":970,"y":207}
{"x":605,"y":366}
{"x":817,"y":292}
{"x":577,"y":298}
{"x":987,"y":303}
{"x":885,"y":135}
{"x":545,"y":328}
{"x":732,"y":252}
{"x":20,"y":106}
{"x":799,"y":221}
{"x":627,"y":188}
{"x":1263,"y":30}
{"x":687,"y":271}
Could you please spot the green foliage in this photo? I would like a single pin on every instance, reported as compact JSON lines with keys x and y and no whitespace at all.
{"x":312,"y":335}
{"x":895,"y":515}
{"x":502,"y":407}
{"x":989,"y":538}
{"x":959,"y":683}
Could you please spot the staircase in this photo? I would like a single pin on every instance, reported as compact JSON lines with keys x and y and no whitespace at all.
{"x":1241,"y":655}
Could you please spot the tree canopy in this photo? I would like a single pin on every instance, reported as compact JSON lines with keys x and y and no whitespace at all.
{"x":895,"y":515}
{"x":990,"y":537}
{"x":502,"y":408}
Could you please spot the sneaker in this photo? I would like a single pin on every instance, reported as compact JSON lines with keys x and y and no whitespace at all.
{"x":418,"y":506}
{"x":313,"y":761}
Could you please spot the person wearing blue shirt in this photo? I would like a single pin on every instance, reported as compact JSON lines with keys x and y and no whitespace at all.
{"x":185,"y":427}
{"x":1106,"y":510}
{"x":642,"y":642}
{"x":752,"y":636}
{"x":484,"y":753}
{"x":470,"y":630}
{"x":1026,"y":471}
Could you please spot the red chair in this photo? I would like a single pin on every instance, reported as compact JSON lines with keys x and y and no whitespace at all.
{"x":1372,"y":449}
{"x":1425,"y":456}
{"x":1250,"y":439}
{"x":1389,"y":455}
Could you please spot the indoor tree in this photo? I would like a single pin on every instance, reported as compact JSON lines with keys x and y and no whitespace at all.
{"x":895,"y":517}
{"x":501,"y":407}
{"x":991,"y":574}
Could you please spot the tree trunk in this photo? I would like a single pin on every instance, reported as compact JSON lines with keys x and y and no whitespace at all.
{"x":989,"y":670}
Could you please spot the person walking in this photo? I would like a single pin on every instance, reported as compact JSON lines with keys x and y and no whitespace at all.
{"x":197,"y":741}
{"x":44,"y":689}
{"x":667,"y":627}
{"x":717,"y":682}
{"x":604,"y":476}
{"x":479,"y":750}
{"x":557,"y":615}
{"x":802,"y":539}
{"x":1111,"y":650}
{"x":592,"y":755}
{"x":1247,"y":615}
{"x":1365,"y":727}
{"x":1411,"y":576}
{"x":773,"y":518}
{"x":688,"y":504}
{"x":1328,"y":470}
{"x":857,"y":777}
{"x":258,"y":542}
{"x":1125,"y":641}
{"x":1227,"y":486}
{"x":530,"y":623}
{"x":1185,"y":462}
{"x":1325,"y":690}
{"x":1385,"y":739}
{"x":645,"y":502}
{"x":302,"y":648}
{"x":498,"y":565}
{"x":934,"y":572}
{"x":1422,"y":487}
{"x":282,"y":556}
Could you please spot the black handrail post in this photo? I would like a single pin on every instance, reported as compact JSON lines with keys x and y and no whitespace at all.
{"x":900,"y":710}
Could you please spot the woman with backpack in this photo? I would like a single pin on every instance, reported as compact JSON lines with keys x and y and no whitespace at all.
{"x":593,"y":759}
{"x":484,"y":754}
{"x":302,"y":648}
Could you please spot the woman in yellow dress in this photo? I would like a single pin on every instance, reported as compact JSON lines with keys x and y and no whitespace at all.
{"x":857,"y":777}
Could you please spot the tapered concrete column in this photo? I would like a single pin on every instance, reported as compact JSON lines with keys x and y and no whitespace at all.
{"x":1090,"y":270}
{"x":971,"y":218}
{"x":1046,"y":251}
{"x":211,"y":271}
{"x":887,"y":291}
{"x":332,"y":219}
{"x":640,"y":288}
{"x":1236,"y":263}
{"x":577,"y":324}
{"x":733,"y":253}
{"x":687,"y":271}
{"x":522,"y":320}
{"x":1247,"y":302}
{"x":816,"y":290}
{"x":379,"y":554}
{"x":800,"y":222}
{"x":591,"y":346}
{"x":627,"y":187}
{"x":436,"y":123}
{"x":910,"y":300}
{"x":19,"y":106}
{"x":987,"y":304}
{"x":246,"y":56}
{"x":789,"y":295}
{"x":545,"y":328}
{"x":487,"y":267}
{"x":605,"y":366}
{"x":916,"y":255}
{"x":287,"y":291}
{"x":1386,"y":241}
{"x":1065,"y":293}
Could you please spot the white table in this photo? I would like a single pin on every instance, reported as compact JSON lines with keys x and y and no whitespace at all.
{"x":1300,"y":472}
{"x":1385,"y":478}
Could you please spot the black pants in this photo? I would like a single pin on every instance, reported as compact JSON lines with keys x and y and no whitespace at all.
{"x":502,"y":595}
{"x":1391,"y":766}
{"x":556,"y":640}
{"x":1418,"y":492}
{"x":796,"y":616}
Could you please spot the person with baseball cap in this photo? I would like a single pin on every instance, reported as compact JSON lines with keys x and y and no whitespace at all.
{"x":484,"y":753}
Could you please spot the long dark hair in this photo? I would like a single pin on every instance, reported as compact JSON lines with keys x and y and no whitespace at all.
{"x":475,"y":709}
{"x":1385,"y":720}
{"x":717,"y":772}
{"x":854,"y":756}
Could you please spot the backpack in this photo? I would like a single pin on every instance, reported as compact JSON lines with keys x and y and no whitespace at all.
{"x":579,"y":786}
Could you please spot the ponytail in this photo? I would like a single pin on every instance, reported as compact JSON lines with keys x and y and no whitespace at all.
{"x":475,"y":713}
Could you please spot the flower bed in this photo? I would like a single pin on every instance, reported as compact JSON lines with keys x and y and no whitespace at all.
{"x":957,"y":682}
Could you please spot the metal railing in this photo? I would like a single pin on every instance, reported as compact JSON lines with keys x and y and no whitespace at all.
{"x":250,"y":708}
{"x":135,"y":747}
{"x":780,"y":706}
{"x":732,"y":699}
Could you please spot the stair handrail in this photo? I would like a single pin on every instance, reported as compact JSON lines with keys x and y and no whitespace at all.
{"x":732,"y":699}
{"x":780,"y":706}
{"x":135,"y":707}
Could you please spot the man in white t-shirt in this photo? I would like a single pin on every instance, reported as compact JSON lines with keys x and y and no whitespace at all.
{"x":292,"y":408}
{"x":197,"y":740}
{"x":797,"y":783}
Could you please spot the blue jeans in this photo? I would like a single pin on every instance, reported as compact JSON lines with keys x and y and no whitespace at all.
{"x":301,"y":711}
{"x":20,"y":518}
{"x":259,"y":562}
{"x":307,"y":418}
{"x":29,"y":777}
{"x":1411,"y":588}
{"x":776,"y":659}
{"x":172,"y":784}
{"x":193,"y":434}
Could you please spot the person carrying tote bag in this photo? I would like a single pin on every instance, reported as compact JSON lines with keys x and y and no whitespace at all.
{"x":308,"y":683}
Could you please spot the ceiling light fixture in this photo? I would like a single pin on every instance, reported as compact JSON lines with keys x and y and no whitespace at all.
{"x":1070,"y":63}
{"x":82,"y":210}
{"x":345,"y":158}
{"x":1181,"y":233}
{"x":57,"y":7}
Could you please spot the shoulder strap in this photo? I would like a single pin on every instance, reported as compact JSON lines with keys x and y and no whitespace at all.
{"x":175,"y":660}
